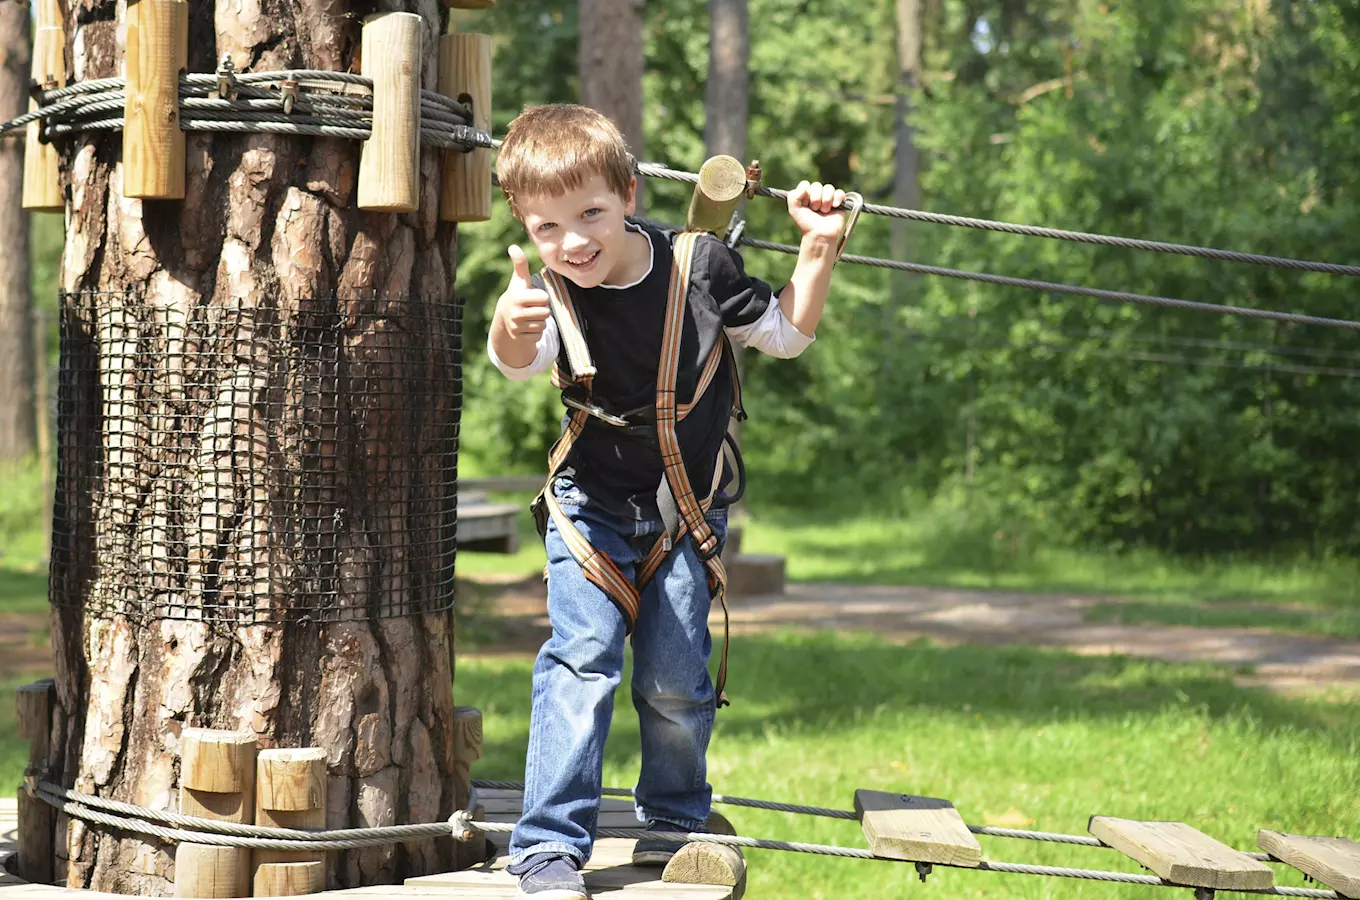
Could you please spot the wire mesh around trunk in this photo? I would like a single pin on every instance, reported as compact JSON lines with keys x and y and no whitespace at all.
{"x":249,"y":466}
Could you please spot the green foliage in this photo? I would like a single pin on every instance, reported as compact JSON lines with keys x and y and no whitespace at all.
{"x":1196,"y":121}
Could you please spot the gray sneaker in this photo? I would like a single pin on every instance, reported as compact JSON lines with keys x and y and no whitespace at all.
{"x":547,"y":876}
{"x":657,"y":851}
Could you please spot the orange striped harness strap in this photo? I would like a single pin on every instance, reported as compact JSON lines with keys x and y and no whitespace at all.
{"x":596,"y":565}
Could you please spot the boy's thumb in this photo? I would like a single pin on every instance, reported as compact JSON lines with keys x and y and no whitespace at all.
{"x":520,"y":262}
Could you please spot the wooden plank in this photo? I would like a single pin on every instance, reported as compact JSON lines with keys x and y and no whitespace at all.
{"x":921,"y":829}
{"x":1334,"y":861}
{"x":1182,"y":855}
{"x":153,"y":144}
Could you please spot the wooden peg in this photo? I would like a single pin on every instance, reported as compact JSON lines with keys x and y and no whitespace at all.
{"x":465,"y":75}
{"x":389,"y":163}
{"x":290,"y":792}
{"x":37,"y":820}
{"x":216,"y":781}
{"x":153,"y":143}
{"x":722,"y":182}
{"x":42,"y":169}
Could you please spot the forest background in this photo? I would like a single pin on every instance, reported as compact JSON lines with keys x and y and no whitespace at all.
{"x":1230,"y":124}
{"x":1009,"y":418}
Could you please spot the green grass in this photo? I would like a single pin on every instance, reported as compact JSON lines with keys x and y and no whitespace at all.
{"x":942,"y":548}
{"x":1012,"y":736}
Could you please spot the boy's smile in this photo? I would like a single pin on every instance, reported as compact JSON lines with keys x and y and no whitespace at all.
{"x":581,"y":234}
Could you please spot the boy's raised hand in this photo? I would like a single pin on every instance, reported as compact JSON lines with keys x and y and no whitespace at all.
{"x":815,"y":209}
{"x":522,"y":309}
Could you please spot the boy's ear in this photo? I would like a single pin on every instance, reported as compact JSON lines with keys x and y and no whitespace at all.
{"x":630,"y":201}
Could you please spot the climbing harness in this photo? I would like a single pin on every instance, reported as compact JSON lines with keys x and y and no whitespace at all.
{"x":682,"y":510}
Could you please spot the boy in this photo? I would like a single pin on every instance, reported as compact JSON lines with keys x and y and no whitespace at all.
{"x":632,"y":533}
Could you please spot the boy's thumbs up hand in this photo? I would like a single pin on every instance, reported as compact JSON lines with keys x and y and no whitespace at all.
{"x":523,"y":310}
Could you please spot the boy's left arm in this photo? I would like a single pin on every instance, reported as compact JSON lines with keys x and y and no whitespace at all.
{"x":815,"y":210}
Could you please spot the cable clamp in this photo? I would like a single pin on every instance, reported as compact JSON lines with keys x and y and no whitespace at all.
{"x":460,"y":823}
{"x":854,"y":202}
{"x":753,"y":177}
{"x":226,"y":78}
{"x":288,"y":90}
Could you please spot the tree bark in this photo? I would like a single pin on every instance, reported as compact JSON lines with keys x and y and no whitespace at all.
{"x":18,"y":423}
{"x":202,"y":468}
{"x":611,"y":68}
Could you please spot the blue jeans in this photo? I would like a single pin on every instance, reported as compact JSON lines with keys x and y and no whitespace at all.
{"x":582,"y":663}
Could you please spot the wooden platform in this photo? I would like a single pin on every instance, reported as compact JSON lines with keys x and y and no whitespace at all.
{"x":609,"y":873}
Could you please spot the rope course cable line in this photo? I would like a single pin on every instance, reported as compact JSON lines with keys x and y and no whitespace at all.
{"x":1248,"y":312}
{"x":657,"y":170}
{"x":462,"y":826}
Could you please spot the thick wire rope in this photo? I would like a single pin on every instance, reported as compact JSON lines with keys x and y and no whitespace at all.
{"x":657,"y":170}
{"x":1136,"y":355}
{"x":1248,"y":312}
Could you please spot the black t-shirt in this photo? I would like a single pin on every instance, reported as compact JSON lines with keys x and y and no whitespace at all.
{"x":623,"y":328}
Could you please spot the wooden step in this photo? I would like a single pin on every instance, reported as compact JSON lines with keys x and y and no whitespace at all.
{"x":1182,"y":855}
{"x":1334,"y":861}
{"x":920,"y":829}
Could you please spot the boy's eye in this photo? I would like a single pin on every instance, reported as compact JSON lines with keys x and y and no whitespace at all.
{"x":593,"y":211}
{"x":546,"y":227}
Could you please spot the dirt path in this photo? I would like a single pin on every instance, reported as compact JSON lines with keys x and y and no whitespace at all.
{"x":1259,"y":656}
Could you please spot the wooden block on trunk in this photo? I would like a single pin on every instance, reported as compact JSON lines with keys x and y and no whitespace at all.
{"x":1334,"y":861}
{"x":289,"y":879}
{"x":1182,"y":855}
{"x":920,"y":829}
{"x":209,"y":871}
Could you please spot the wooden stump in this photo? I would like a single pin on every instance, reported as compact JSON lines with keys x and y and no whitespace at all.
{"x":698,"y":863}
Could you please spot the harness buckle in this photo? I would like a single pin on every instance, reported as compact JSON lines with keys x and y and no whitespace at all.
{"x":855,"y":202}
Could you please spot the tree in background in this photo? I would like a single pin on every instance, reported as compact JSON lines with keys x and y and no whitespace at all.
{"x":18,"y":426}
{"x":611,"y":68}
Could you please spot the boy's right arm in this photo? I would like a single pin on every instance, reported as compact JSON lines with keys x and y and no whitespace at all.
{"x":521,"y":319}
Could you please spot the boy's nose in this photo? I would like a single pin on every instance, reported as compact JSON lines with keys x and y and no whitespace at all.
{"x":573,"y":241}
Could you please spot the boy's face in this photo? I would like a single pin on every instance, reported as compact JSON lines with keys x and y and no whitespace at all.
{"x":580,"y":234}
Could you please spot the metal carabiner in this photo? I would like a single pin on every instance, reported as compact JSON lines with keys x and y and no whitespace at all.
{"x":597,"y":412}
{"x":855,"y":202}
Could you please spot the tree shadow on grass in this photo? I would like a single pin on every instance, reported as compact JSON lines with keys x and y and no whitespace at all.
{"x":814,"y":685}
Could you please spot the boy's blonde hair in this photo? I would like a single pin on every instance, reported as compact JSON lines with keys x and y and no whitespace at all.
{"x":549,"y":150}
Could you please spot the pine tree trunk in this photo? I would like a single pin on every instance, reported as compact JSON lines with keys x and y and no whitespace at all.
{"x":233,"y":484}
{"x":611,"y":68}
{"x":18,"y":425}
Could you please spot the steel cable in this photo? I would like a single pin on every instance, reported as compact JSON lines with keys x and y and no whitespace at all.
{"x":658,"y":170}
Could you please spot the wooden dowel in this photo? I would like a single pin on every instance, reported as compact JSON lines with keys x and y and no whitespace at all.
{"x":465,"y":75}
{"x":290,"y":792}
{"x":216,"y":781}
{"x":153,"y":144}
{"x":467,"y":749}
{"x":36,"y":819}
{"x":722,"y":181}
{"x":389,"y":163}
{"x":42,"y":168}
